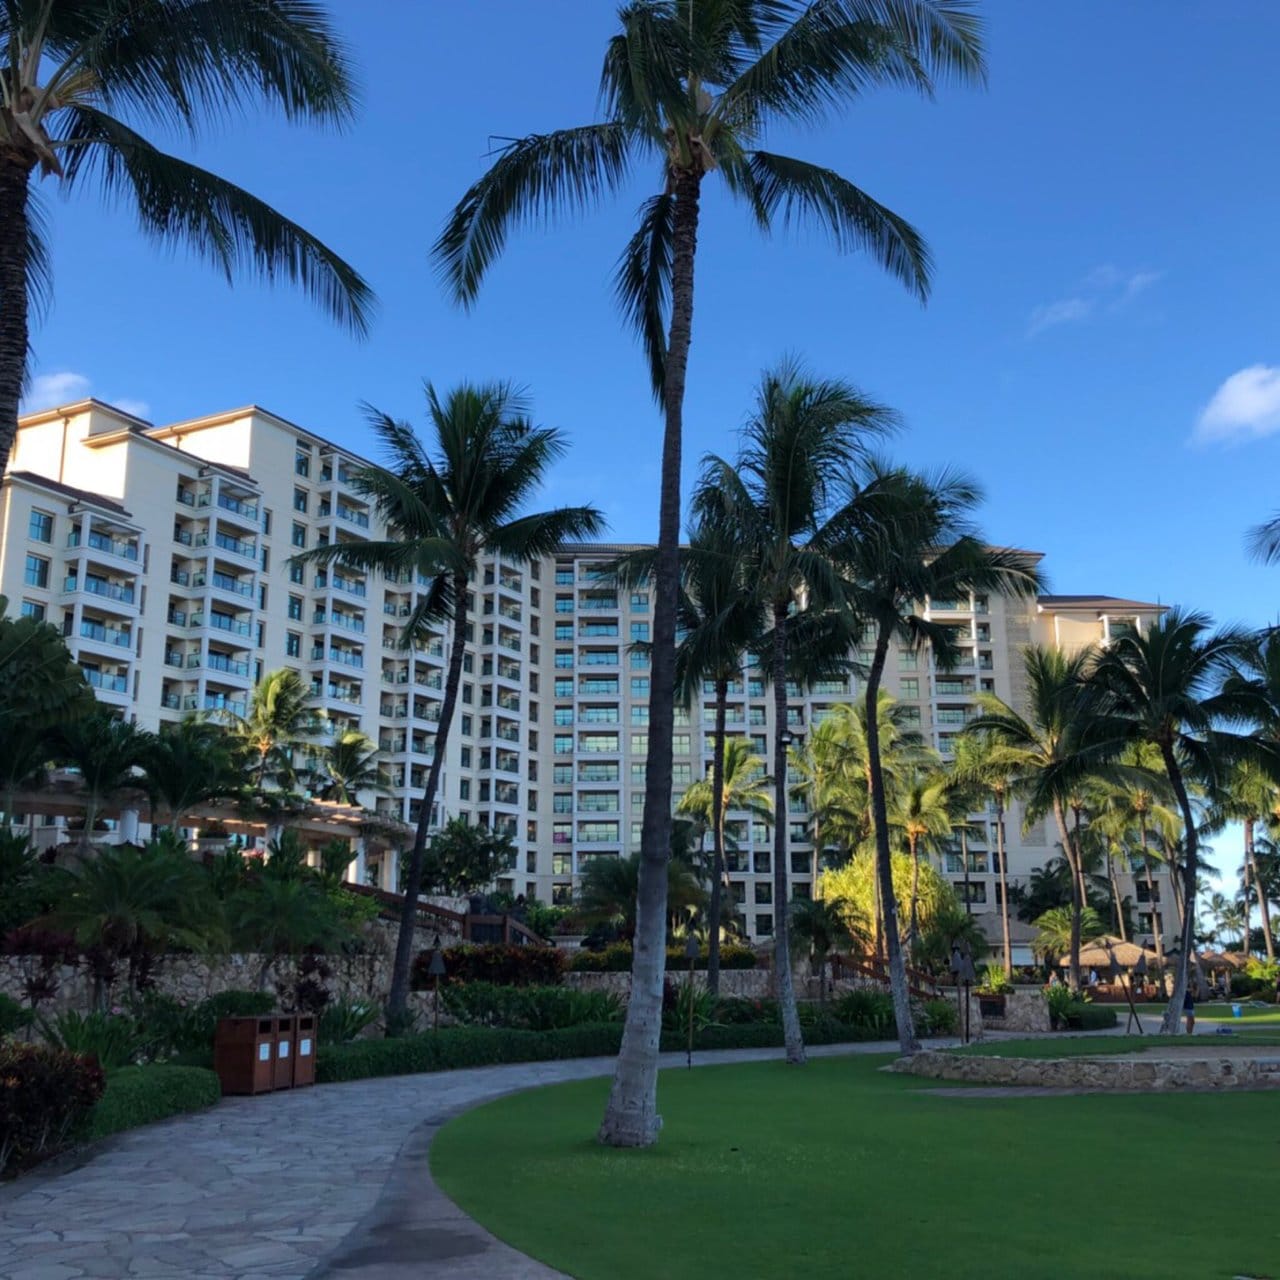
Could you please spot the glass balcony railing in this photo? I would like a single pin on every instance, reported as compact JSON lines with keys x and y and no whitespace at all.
{"x":341,"y":656}
{"x":238,"y":506}
{"x":224,"y":582}
{"x":100,"y":542}
{"x":106,"y":635}
{"x":221,"y":622}
{"x":109,"y":684}
{"x":220,"y":662}
{"x":100,"y":587}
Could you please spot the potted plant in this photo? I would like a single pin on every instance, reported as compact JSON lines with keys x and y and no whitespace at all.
{"x":1060,"y":1002}
{"x":992,"y":990}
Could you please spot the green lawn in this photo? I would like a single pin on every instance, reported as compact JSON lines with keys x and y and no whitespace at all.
{"x":1219,"y":1012}
{"x":842,"y":1172}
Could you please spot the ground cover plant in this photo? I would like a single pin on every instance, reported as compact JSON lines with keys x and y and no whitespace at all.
{"x":885,"y":1176}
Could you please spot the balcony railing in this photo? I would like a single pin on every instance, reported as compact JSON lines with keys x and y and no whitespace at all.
{"x":342,"y":656}
{"x":100,"y":587}
{"x":221,"y":622}
{"x":106,"y":635}
{"x":224,"y":541}
{"x":220,"y":662}
{"x":100,"y":542}
{"x":239,"y":506}
{"x":215,"y":702}
{"x":110,"y":684}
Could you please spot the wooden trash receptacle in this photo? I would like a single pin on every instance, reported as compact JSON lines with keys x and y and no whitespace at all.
{"x":244,"y":1051}
{"x":282,"y":1072}
{"x":304,"y":1050}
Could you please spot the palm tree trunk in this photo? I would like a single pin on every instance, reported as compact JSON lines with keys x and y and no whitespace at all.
{"x":1251,"y":862}
{"x":884,"y":864}
{"x":914,"y":843}
{"x":398,"y":998}
{"x":1173,"y":1012}
{"x":1245,"y":907}
{"x":631,"y":1116}
{"x":1077,"y":904}
{"x":1157,"y":917}
{"x":717,"y":828}
{"x":15,"y":174}
{"x":791,"y":1034}
{"x":964,"y":855}
{"x":1004,"y":887}
{"x":1115,"y":893}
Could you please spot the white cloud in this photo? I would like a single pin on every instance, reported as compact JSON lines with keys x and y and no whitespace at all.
{"x":49,"y":390}
{"x":1245,"y":407}
{"x":126,"y":404}
{"x":1105,"y":286}
{"x":1064,"y":311}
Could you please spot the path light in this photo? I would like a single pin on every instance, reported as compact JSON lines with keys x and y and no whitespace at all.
{"x":962,"y":969}
{"x":435,"y":968}
{"x":691,"y":951}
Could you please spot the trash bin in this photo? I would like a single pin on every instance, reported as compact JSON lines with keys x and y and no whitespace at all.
{"x":304,"y":1050}
{"x":282,"y":1073}
{"x":1237,"y":1011}
{"x":244,"y":1054}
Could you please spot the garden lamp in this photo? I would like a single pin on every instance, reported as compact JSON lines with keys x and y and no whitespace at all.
{"x":435,"y":968}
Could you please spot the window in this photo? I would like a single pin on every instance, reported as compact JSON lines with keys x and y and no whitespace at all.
{"x":598,"y":801}
{"x":40,"y":527}
{"x":564,"y":631}
{"x":564,"y":658}
{"x":562,"y":803}
{"x":909,"y":686}
{"x":639,"y":599}
{"x":563,"y":744}
{"x":595,"y":743}
{"x":467,"y":726}
{"x":564,"y":687}
{"x":300,"y":500}
{"x":977,"y":892}
{"x":639,"y":631}
{"x":801,"y":864}
{"x":298,"y":535}
{"x":637,"y":775}
{"x":680,"y":744}
{"x":763,"y":894}
{"x":564,"y":715}
{"x":30,"y":609}
{"x":564,"y":604}
{"x":640,"y":744}
{"x":681,"y":773}
{"x":637,"y":800}
{"x":564,"y":577}
{"x":639,"y":661}
{"x":600,"y":657}
{"x":598,"y":831}
{"x":466,"y":757}
{"x":639,"y":686}
{"x":592,"y":771}
{"x":762,"y":862}
{"x":908,"y":660}
{"x":295,"y":609}
{"x":296,"y":573}
{"x":764,"y":924}
{"x":37,"y":572}
{"x":293,"y":645}
{"x":640,"y":715}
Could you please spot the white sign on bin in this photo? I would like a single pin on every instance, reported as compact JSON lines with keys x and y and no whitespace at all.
{"x":304,"y":1048}
{"x":284,"y":1048}
{"x":264,"y":1053}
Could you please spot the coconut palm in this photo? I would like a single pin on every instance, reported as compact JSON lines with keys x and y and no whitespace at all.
{"x":1249,"y":796}
{"x":187,"y":764}
{"x":1061,"y":930}
{"x":277,"y":916}
{"x":923,"y":815}
{"x":348,"y":765}
{"x":610,"y":887}
{"x":1055,"y":744}
{"x":446,"y":508}
{"x":1166,"y":687}
{"x":75,"y":72}
{"x":789,"y":496}
{"x":691,"y":89}
{"x":1228,"y":919}
{"x":280,"y":721}
{"x":918,"y":541}
{"x":737,"y":781}
{"x":108,"y":753}
{"x":820,"y":926}
{"x":991,"y":768}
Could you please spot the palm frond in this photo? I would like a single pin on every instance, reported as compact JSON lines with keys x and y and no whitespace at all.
{"x":642,"y":282}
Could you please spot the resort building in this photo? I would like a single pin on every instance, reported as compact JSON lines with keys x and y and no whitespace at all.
{"x":166,"y":557}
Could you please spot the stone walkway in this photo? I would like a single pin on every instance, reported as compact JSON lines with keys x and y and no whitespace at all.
{"x":327,"y":1182}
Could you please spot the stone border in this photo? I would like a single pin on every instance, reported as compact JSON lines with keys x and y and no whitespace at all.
{"x":1147,"y":1073}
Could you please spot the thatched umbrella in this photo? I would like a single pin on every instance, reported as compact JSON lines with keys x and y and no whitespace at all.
{"x":1107,"y":950}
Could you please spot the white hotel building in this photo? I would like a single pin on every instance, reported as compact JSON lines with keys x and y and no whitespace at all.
{"x":164,"y":554}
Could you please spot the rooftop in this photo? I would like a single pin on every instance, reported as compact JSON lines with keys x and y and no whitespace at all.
{"x":1101,"y":604}
{"x":67,"y":491}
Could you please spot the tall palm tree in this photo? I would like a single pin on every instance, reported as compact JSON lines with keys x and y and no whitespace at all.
{"x":991,"y":768}
{"x":186,"y":764}
{"x":350,"y":764}
{"x":923,"y":814}
{"x":74,"y":73}
{"x":609,"y":892}
{"x":919,"y":542}
{"x":1055,"y":745}
{"x":692,"y":88}
{"x":445,"y":508}
{"x":1166,"y":687}
{"x":108,"y":753}
{"x":279,"y":722}
{"x":789,"y":496}
{"x":821,"y":926}
{"x":738,"y":781}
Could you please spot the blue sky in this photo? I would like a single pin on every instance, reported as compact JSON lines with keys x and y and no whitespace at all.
{"x":1100,"y":217}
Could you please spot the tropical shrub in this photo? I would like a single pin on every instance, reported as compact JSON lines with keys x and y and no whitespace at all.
{"x":505,"y":965}
{"x":343,"y":1020}
{"x":680,"y":1002}
{"x":141,"y":1095}
{"x":994,"y":981}
{"x":1263,"y":971}
{"x":13,"y":1016}
{"x":194,"y":1027}
{"x":113,"y":1039}
{"x":530,"y":1008}
{"x":1090,"y":1017}
{"x":866,"y":1010}
{"x":45,"y":1093}
{"x":938,"y":1018}
{"x":1060,"y":1001}
{"x":616,"y":958}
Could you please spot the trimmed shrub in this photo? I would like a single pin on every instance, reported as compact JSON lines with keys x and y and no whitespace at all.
{"x":617,"y":956}
{"x":937,"y":1018}
{"x":113,"y":1040}
{"x":343,"y":1020}
{"x":506,"y":966}
{"x":13,"y":1016}
{"x":141,"y":1095}
{"x":1090,"y":1017}
{"x":529,"y":1008}
{"x":868,"y":1011}
{"x":45,"y":1094}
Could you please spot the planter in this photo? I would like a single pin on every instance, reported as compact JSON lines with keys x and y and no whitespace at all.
{"x":991,"y":1005}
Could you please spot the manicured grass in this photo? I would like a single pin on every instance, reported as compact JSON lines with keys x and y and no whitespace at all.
{"x":1097,"y":1046}
{"x":1220,"y":1012}
{"x":842,"y":1172}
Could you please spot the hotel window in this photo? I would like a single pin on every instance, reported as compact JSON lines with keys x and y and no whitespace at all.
{"x":564,"y":688}
{"x":598,"y":742}
{"x":564,"y":577}
{"x":639,"y":744}
{"x":908,"y":660}
{"x":639,"y":661}
{"x":640,"y":715}
{"x":30,"y":609}
{"x":562,"y":803}
{"x":639,"y":686}
{"x":40,"y":527}
{"x":564,"y":659}
{"x":637,"y":775}
{"x":300,"y":500}
{"x":467,"y":724}
{"x":464,"y":788}
{"x":639,"y":599}
{"x":564,"y":631}
{"x":909,"y":686}
{"x":37,"y":572}
{"x":298,"y":535}
{"x":564,"y":604}
{"x":293,"y":645}
{"x":296,"y":573}
{"x":681,"y":773}
{"x":302,"y":463}
{"x":466,"y":757}
{"x":764,"y":924}
{"x":564,"y":715}
{"x":295,"y":609}
{"x":598,"y":831}
{"x":637,"y":800}
{"x":563,"y":744}
{"x":639,"y":631}
{"x":562,"y":833}
{"x":764,"y":894}
{"x":680,"y":743}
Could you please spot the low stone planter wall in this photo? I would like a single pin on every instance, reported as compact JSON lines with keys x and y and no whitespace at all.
{"x":1143,"y":1074}
{"x":1025,"y":1009}
{"x":749,"y":984}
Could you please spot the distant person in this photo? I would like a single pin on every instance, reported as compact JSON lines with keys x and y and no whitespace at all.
{"x":1054,"y":980}
{"x":1189,"y":1010}
{"x":1093,"y":977}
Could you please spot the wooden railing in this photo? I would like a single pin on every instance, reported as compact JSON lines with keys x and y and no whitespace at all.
{"x":921,"y":985}
{"x":497,"y":928}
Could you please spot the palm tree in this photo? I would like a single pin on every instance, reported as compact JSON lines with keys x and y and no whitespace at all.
{"x":1166,"y":687}
{"x":1228,"y":919}
{"x":691,"y":88}
{"x":443,"y":513}
{"x":1062,"y":929}
{"x":280,"y":720}
{"x":918,"y":542}
{"x":71,"y":66}
{"x":278,"y":915}
{"x":821,"y":926}
{"x":350,"y":764}
{"x":108,"y":754}
{"x":610,"y":890}
{"x":983,"y":762}
{"x":738,"y":781}
{"x":1054,"y":746}
{"x":923,"y":813}
{"x":788,"y":497}
{"x":187,"y":764}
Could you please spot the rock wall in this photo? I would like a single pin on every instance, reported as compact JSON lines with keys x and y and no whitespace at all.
{"x":1144,"y":1074}
{"x":1025,"y":1009}
{"x":750,"y":984}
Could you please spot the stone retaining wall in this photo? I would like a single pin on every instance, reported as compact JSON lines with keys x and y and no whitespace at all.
{"x":1025,"y":1009}
{"x":1146,"y":1073}
{"x":750,"y":984}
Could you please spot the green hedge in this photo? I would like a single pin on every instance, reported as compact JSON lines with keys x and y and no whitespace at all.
{"x":1091,"y":1017}
{"x":141,"y":1095}
{"x":617,"y":958}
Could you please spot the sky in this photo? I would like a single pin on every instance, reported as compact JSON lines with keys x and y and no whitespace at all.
{"x":1100,"y":349}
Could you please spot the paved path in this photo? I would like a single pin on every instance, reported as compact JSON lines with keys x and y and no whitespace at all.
{"x":329,"y":1183}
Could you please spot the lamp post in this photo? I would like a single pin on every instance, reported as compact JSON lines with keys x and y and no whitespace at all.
{"x":435,"y":967}
{"x":965,"y":974}
{"x":691,"y":951}
{"x":1139,"y":972}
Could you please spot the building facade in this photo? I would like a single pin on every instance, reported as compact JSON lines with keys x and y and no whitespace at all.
{"x":166,"y":555}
